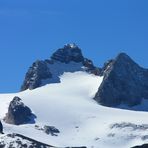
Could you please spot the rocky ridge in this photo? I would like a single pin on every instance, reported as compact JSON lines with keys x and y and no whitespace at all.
{"x":66,"y":59}
{"x":125,"y":82}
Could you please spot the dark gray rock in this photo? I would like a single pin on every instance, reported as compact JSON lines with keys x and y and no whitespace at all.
{"x":90,"y":67}
{"x":1,"y":127}
{"x":51,"y":130}
{"x":68,"y":53}
{"x":37,"y":72}
{"x":124,"y":82}
{"x":18,"y":113}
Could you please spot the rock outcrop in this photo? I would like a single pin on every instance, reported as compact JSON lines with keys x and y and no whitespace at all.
{"x":68,"y":53}
{"x":1,"y":128}
{"x":125,"y":82}
{"x":51,"y":130}
{"x":141,"y":146}
{"x":66,"y":59}
{"x":37,"y":72}
{"x":18,"y":113}
{"x":15,"y":140}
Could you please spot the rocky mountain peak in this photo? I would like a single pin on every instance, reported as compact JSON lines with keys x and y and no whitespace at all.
{"x":124,"y":82}
{"x":123,"y":62}
{"x":123,"y":55}
{"x":123,"y":58}
{"x":69,"y":53}
{"x":66,"y":59}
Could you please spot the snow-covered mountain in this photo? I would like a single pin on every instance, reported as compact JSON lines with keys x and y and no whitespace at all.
{"x":66,"y":59}
{"x":65,"y":94}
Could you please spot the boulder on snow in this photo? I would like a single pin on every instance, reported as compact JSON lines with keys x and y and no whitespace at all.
{"x":51,"y":130}
{"x":18,"y":113}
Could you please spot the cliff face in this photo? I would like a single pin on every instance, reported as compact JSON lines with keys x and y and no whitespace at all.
{"x":124,"y":82}
{"x":68,"y":53}
{"x":38,"y":71}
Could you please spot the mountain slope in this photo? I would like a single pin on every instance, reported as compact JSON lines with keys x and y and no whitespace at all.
{"x":124,"y":83}
{"x":69,"y":107}
{"x":65,"y":94}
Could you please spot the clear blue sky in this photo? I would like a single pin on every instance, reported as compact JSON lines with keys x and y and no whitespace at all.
{"x":33,"y":29}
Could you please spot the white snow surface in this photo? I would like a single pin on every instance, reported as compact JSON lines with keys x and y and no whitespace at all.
{"x":69,"y":106}
{"x":57,"y":69}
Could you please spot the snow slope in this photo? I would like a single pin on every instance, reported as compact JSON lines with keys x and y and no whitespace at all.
{"x":69,"y":107}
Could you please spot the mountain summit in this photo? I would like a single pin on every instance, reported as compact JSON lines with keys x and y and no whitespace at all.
{"x":66,"y":59}
{"x":124,"y":81}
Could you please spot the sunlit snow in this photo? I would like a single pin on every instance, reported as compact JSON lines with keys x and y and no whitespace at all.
{"x":69,"y":106}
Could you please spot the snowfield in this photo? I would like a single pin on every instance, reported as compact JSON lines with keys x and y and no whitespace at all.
{"x":69,"y":107}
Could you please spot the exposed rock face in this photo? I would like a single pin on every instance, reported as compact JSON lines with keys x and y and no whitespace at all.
{"x":124,"y":82}
{"x":37,"y":72}
{"x":66,"y":59}
{"x":90,"y":67}
{"x":69,"y":53}
{"x":18,"y":113}
{"x":51,"y":130}
{"x":141,"y":146}
{"x":1,"y":128}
